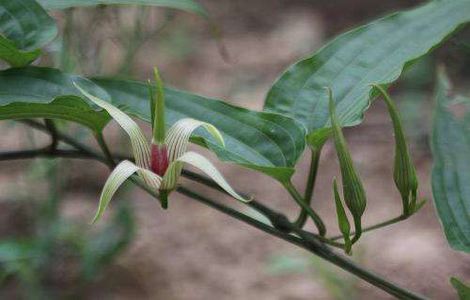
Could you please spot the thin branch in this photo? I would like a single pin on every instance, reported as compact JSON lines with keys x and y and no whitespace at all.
{"x":281,"y":225}
{"x":376,"y":226}
{"x":312,"y":175}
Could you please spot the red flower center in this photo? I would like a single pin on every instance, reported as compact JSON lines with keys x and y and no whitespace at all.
{"x":159,"y":159}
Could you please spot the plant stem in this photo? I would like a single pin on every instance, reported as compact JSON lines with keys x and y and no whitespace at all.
{"x":312,"y":245}
{"x":281,"y":224}
{"x":376,"y":226}
{"x":50,"y":125}
{"x":104,"y":147}
{"x":312,"y":175}
{"x":300,"y":201}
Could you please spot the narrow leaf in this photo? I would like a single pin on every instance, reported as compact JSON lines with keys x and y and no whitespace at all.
{"x":119,"y":175}
{"x":25,"y":27}
{"x":451,"y":169}
{"x":178,"y":136}
{"x":202,"y":164}
{"x":375,"y":53}
{"x":139,"y":143}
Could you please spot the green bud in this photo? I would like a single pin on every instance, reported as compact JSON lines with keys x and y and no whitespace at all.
{"x":343,"y":221}
{"x":353,"y":190}
{"x":404,"y":173}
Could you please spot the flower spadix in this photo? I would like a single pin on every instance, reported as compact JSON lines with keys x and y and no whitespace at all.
{"x":160,"y":162}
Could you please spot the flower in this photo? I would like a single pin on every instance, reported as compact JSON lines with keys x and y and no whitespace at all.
{"x":160,"y":164}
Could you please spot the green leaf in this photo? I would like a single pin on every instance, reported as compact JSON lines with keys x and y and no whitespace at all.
{"x":451,"y":169}
{"x":462,"y":289}
{"x":24,"y":28}
{"x":267,"y":142}
{"x":47,"y":93}
{"x":374,"y":53}
{"x":186,"y":5}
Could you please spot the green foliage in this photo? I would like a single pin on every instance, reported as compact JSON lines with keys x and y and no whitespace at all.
{"x":451,"y":171}
{"x":187,"y":5}
{"x":266,"y":142}
{"x":372,"y":54}
{"x":462,"y":289}
{"x":47,"y":93}
{"x":25,"y":27}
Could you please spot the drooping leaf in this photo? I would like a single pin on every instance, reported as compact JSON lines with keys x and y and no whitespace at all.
{"x":267,"y":142}
{"x":178,"y":136}
{"x":117,"y":178}
{"x":140,"y":145}
{"x":374,"y":53}
{"x":47,"y":93}
{"x":462,"y":289}
{"x":451,"y":169}
{"x":24,"y":28}
{"x":187,"y":5}
{"x":200,"y":162}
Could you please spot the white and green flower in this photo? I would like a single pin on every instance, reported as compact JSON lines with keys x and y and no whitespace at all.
{"x":159,"y":163}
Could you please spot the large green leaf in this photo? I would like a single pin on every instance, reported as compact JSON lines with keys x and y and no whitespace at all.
{"x":267,"y":142}
{"x":451,"y":170}
{"x":47,"y":93}
{"x":25,"y":27}
{"x":187,"y":5}
{"x":374,"y":53}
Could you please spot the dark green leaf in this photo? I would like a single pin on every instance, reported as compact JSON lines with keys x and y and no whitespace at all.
{"x":187,"y":5}
{"x":462,"y":290}
{"x":46,"y":93}
{"x":25,"y":27}
{"x":451,"y":170}
{"x":266,"y":142}
{"x":374,"y":53}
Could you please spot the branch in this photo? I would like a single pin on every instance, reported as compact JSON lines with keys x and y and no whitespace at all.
{"x":281,"y":225}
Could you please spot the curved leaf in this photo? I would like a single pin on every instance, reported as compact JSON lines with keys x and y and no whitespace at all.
{"x":267,"y":142}
{"x":187,"y":5}
{"x":451,"y":169}
{"x":47,"y":93}
{"x":374,"y":53}
{"x":25,"y":27}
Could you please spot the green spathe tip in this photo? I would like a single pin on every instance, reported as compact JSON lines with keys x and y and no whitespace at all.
{"x":159,"y":113}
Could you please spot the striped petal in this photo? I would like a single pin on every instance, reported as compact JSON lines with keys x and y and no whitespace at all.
{"x":171,"y":176}
{"x":119,"y":175}
{"x":178,"y":136}
{"x":139,"y":143}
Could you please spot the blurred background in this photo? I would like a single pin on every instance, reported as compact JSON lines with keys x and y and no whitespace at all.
{"x":48,"y":250}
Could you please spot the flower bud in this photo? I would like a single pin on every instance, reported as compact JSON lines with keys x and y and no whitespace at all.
{"x":404,"y":173}
{"x":353,"y":190}
{"x":343,"y":221}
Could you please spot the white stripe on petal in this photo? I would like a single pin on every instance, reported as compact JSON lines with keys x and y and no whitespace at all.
{"x":178,"y":136}
{"x":140,"y":146}
{"x":119,"y":175}
{"x":200,"y":162}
